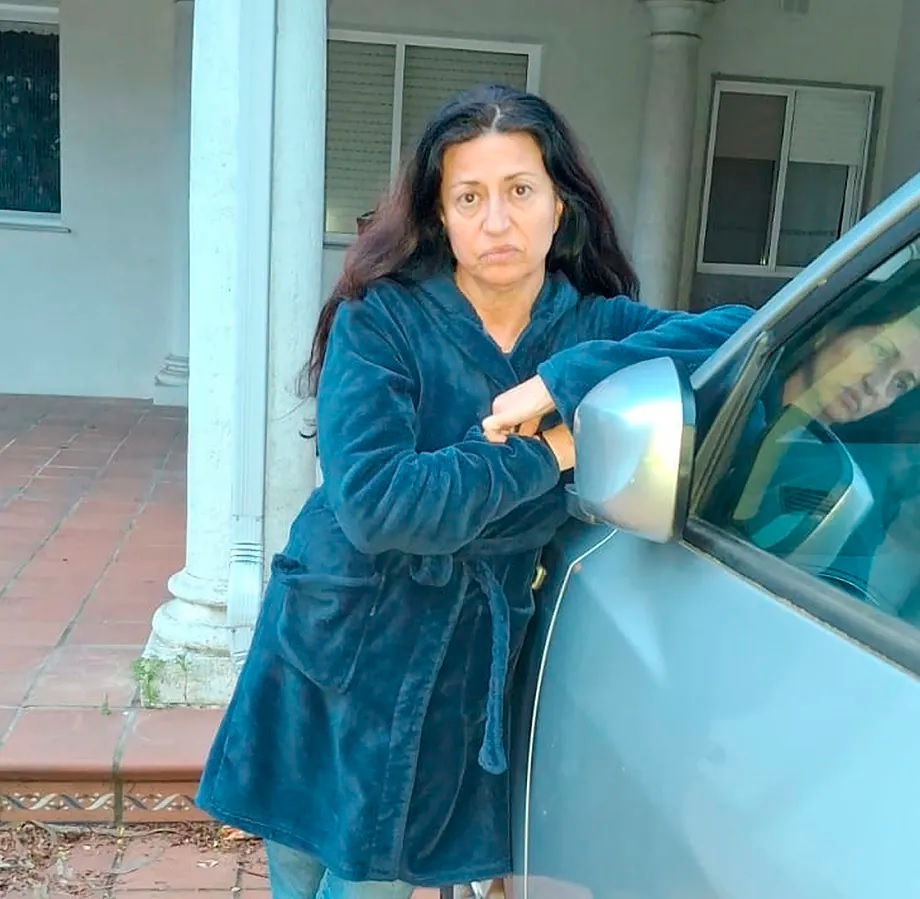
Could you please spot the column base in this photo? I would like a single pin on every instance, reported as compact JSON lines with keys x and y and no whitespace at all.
{"x":187,"y":658}
{"x":170,"y":386}
{"x":185,"y":679}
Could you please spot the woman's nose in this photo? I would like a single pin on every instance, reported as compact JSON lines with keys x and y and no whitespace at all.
{"x":496,"y":216}
{"x":875,"y":384}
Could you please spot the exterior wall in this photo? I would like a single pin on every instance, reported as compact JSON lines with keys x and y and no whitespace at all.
{"x":902,"y":149}
{"x":751,"y":38}
{"x":594,"y":70}
{"x":86,"y":312}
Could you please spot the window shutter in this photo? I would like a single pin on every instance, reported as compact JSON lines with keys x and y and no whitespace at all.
{"x":434,"y":74}
{"x":359,"y":129}
{"x":830,"y":126}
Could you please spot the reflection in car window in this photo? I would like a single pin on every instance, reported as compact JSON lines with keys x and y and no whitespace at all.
{"x":826,"y":474}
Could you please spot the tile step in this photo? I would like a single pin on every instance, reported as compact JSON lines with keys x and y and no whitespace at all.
{"x":75,"y":765}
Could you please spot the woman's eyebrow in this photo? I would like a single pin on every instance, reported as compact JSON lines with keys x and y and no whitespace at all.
{"x":891,"y":344}
{"x":473,"y":182}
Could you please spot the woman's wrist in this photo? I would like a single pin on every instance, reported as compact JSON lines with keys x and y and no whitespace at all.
{"x":558,"y":440}
{"x":547,"y":442}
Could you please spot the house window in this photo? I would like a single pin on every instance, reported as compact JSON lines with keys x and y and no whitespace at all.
{"x":381,"y":89}
{"x":30,"y":169}
{"x":785,"y":175}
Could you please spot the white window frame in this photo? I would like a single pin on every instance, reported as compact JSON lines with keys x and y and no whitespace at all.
{"x":533,"y":52}
{"x":855,"y":182}
{"x":30,"y":13}
{"x":45,"y":15}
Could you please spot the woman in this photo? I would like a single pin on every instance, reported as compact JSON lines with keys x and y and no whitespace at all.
{"x":365,"y":739}
{"x":863,"y":369}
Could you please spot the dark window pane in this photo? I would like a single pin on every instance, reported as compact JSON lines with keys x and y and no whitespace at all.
{"x":740,"y":208}
{"x":812,"y":211}
{"x":749,"y":137}
{"x":30,"y":172}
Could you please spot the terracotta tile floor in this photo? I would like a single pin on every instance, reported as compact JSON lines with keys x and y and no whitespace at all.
{"x":92,"y":523}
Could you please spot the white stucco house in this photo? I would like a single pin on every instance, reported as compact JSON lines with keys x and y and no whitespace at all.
{"x":179,"y":181}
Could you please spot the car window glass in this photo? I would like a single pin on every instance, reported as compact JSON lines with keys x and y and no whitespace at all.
{"x":826,"y":473}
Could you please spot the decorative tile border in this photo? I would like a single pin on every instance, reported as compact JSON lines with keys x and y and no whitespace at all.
{"x":161,"y":801}
{"x":59,"y":802}
{"x":91,"y":802}
{"x":95,"y":802}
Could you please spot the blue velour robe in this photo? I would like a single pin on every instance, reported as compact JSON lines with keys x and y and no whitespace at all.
{"x":367,"y":726}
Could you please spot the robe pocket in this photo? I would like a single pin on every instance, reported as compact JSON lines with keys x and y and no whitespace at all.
{"x":324,"y":620}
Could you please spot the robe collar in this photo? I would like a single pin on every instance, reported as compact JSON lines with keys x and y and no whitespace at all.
{"x":453,"y":315}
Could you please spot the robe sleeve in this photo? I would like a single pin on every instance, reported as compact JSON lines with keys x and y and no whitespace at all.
{"x":387,"y":495}
{"x":625,"y":333}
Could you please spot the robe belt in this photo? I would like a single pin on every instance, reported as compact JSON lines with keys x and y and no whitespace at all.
{"x":492,"y":756}
{"x":437,"y":571}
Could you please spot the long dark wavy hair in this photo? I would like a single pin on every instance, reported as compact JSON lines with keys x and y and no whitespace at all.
{"x":405,"y":232}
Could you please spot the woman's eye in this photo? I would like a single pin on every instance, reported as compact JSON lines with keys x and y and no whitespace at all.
{"x":903,"y":383}
{"x":522,"y":190}
{"x":467,"y":199}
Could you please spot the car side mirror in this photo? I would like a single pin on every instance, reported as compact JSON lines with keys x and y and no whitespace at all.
{"x":634,"y":442}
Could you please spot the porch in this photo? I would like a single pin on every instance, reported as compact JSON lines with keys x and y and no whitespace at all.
{"x":92,"y":523}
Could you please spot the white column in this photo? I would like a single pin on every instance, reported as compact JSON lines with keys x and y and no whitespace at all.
{"x":255,"y":269}
{"x":171,"y":381}
{"x":297,"y":255}
{"x":276,"y":476}
{"x":667,"y":146}
{"x":187,"y":654}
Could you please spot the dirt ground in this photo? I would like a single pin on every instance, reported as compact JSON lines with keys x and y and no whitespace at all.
{"x":174,"y":861}
{"x":49,"y":860}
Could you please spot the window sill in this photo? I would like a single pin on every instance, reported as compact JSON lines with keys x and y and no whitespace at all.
{"x":333,"y":240}
{"x":746,"y":271}
{"x":32,"y":221}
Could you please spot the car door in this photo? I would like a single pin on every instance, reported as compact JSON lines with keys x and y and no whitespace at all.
{"x":737,"y":715}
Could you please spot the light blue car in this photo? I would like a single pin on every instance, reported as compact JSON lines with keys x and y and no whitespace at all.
{"x":720,"y":697}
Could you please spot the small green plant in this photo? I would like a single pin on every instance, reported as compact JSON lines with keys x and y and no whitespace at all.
{"x":146,"y":674}
{"x":105,"y":708}
{"x":185,"y":666}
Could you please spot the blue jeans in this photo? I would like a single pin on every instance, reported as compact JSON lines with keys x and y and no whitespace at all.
{"x":296,"y":875}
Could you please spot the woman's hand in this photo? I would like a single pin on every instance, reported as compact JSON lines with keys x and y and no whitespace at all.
{"x":518,"y":411}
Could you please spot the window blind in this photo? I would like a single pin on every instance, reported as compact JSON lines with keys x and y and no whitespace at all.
{"x":830,"y":126}
{"x":359,"y":127}
{"x":434,"y":74}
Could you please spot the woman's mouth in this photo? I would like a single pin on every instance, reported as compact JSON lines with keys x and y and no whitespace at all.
{"x":499,"y":254}
{"x":850,"y":400}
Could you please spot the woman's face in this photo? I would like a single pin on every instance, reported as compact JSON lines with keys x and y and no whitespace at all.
{"x":863,"y":370}
{"x":499,"y":208}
